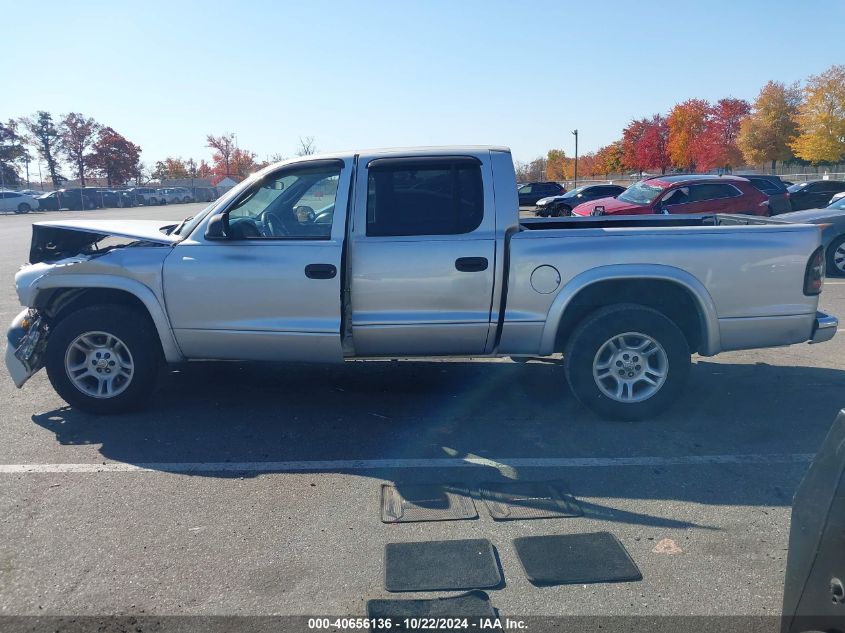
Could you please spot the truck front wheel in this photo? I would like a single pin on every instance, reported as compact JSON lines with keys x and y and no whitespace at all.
{"x":102,"y":359}
{"x":627,"y":362}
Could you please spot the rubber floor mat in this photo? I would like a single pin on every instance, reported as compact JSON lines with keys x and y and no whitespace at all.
{"x":474,"y":606}
{"x":564,"y":559}
{"x":441,"y":565}
{"x":426,"y":502}
{"x":529,"y":500}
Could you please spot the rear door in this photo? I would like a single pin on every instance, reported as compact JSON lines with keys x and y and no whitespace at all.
{"x":422,"y":256}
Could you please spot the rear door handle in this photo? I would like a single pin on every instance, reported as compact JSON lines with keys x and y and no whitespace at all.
{"x":471,"y":264}
{"x":320,"y":271}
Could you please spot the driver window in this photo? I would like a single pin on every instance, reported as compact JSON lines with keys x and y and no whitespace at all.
{"x":679,"y":196}
{"x":294,"y":203}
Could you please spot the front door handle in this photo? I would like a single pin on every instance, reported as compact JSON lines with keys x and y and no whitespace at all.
{"x":471,"y":264}
{"x":320,"y":271}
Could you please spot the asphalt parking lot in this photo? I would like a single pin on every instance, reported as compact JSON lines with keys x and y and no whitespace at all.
{"x":254,"y":489}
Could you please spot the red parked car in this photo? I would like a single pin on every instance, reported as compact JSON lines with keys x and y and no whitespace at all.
{"x":682,"y":193}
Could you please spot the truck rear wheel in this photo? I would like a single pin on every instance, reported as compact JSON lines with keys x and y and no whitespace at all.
{"x":627,"y":362}
{"x":103,"y":359}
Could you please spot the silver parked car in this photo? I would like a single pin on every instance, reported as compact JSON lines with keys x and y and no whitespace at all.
{"x":833,"y":231}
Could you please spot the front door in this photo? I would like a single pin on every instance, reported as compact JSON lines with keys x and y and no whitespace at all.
{"x":269,"y":290}
{"x":422,"y":256}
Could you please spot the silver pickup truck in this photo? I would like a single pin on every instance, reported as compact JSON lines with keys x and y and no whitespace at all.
{"x":407,"y":253}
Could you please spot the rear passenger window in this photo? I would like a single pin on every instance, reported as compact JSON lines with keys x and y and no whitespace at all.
{"x":425,"y":197}
{"x":765,"y":186}
{"x":699,"y":193}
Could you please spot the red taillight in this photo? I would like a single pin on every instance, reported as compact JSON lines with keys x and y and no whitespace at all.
{"x":814,"y":276}
{"x":786,"y":193}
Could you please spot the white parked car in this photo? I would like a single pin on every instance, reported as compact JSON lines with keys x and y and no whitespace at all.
{"x":17,"y":202}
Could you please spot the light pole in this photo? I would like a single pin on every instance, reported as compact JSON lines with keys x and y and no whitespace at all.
{"x":575,"y":132}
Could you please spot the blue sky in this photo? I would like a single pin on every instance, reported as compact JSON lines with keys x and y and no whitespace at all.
{"x":371,"y":73}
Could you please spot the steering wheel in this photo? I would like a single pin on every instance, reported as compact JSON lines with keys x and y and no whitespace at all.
{"x":272,"y":225}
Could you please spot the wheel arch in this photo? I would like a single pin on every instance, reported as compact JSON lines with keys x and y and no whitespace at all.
{"x":65,"y":293}
{"x":672,"y":291}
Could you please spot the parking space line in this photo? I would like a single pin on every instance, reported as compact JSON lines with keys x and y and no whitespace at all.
{"x":389,"y":464}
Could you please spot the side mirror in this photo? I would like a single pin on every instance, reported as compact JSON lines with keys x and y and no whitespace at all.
{"x":218,"y":227}
{"x":597,"y":210}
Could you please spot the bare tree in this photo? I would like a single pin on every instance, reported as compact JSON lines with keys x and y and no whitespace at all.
{"x":306,"y":146}
{"x":225,"y":146}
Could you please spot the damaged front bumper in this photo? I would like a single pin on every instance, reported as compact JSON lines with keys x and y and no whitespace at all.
{"x":26,"y":341}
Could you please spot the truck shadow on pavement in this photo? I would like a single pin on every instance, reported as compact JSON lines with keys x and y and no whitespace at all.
{"x":213,"y":413}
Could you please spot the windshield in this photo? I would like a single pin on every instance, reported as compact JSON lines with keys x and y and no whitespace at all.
{"x":839,"y":203}
{"x":798,"y":187}
{"x":191,"y":223}
{"x":640,"y":193}
{"x":574,"y":192}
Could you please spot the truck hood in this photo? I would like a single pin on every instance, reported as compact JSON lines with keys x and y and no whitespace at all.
{"x":811,"y":215}
{"x":57,"y":240}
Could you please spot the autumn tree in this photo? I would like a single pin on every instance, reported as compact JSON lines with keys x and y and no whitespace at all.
{"x":44,"y":136}
{"x":11,"y":150}
{"x":821,"y":118}
{"x":78,"y":134}
{"x":609,"y":159}
{"x":631,"y":137}
{"x":688,"y":123}
{"x":243,"y":162}
{"x":171,"y":168}
{"x":114,"y":156}
{"x":766,"y":133}
{"x":719,"y":146}
{"x":204,"y":170}
{"x":557,"y":165}
{"x":223,"y":145}
{"x":653,"y":146}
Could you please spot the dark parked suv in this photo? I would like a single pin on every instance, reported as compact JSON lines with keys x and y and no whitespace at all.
{"x":814,"y":194}
{"x":775,"y":188}
{"x":73,"y":199}
{"x":533,"y":191}
{"x":556,"y":206}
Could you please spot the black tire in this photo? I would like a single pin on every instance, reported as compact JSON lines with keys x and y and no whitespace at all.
{"x":832,"y":269}
{"x":604,"y":324}
{"x":23,"y":207}
{"x":562,"y":211}
{"x":136,"y":333}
